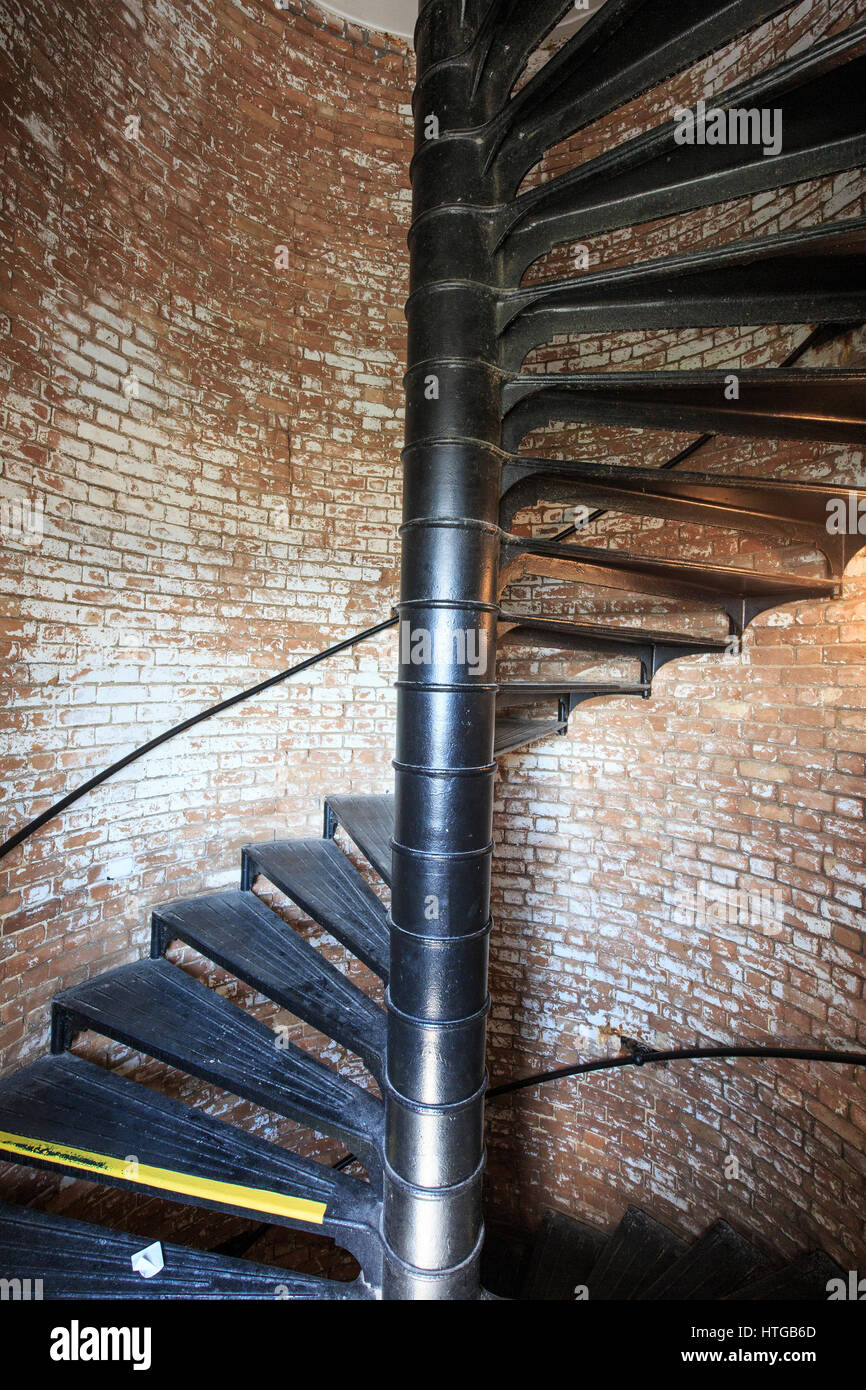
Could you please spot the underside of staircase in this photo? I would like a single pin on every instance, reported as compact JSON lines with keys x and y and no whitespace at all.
{"x":418,"y":916}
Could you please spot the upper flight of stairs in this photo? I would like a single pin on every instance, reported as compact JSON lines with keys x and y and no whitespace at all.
{"x":643,"y":1260}
{"x":79,"y":1119}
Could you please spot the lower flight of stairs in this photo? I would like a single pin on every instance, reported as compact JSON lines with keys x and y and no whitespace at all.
{"x":72,"y":1116}
{"x":570,"y":1260}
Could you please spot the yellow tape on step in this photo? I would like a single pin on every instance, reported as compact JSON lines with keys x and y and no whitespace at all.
{"x":166,"y":1179}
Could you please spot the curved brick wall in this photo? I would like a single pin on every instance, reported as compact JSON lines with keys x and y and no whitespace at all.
{"x":236,"y":509}
{"x":236,"y":514}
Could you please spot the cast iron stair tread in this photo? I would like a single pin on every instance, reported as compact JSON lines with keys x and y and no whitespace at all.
{"x":324,"y":883}
{"x":651,"y":176}
{"x":811,"y":275}
{"x":644,"y":481}
{"x":714,"y":1265}
{"x":710,"y":579}
{"x":803,"y":1279}
{"x":66,"y":1113}
{"x":715,"y":499}
{"x":581,"y":688}
{"x":640,"y":1250}
{"x":76,"y":1259}
{"x":515,"y":733}
{"x":564,"y":1254}
{"x":602,"y":634}
{"x":369,"y":823}
{"x":157,"y":1009}
{"x":824,"y":403}
{"x":606,"y":65}
{"x":239,"y":933}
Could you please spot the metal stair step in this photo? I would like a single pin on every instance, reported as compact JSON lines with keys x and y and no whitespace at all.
{"x":713,"y":1266}
{"x":803,"y":1279}
{"x":156,"y":1008}
{"x":826,"y":404}
{"x":518,"y":691}
{"x":238,"y":932}
{"x":651,"y":646}
{"x":369,"y":823}
{"x":604,"y":632}
{"x":812,"y":275}
{"x":651,"y":574}
{"x":564,"y":1254}
{"x":714,"y":499}
{"x":605,"y":65}
{"x":317,"y":876}
{"x":639,"y":1252}
{"x":75,"y":1259}
{"x":65,"y":1113}
{"x":651,"y":176}
{"x":515,"y":733}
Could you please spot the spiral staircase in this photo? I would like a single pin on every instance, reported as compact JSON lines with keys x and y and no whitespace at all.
{"x":414,"y":1225}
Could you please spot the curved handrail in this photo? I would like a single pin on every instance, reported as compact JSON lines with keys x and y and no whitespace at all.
{"x":640,"y":1056}
{"x":38,"y":821}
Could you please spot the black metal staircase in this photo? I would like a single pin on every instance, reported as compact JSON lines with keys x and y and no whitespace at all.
{"x":415,"y":1226}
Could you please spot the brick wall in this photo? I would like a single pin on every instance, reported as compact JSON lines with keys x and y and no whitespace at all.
{"x":203,"y":348}
{"x":203,"y":341}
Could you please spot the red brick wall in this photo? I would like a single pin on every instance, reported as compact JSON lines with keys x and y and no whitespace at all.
{"x":237,"y":515}
{"x":240,"y":512}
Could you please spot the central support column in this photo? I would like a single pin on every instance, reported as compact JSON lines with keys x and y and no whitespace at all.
{"x":440,"y":910}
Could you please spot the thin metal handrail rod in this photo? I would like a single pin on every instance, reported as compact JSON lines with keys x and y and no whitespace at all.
{"x":821,"y":335}
{"x":644,"y":1056}
{"x":38,"y":821}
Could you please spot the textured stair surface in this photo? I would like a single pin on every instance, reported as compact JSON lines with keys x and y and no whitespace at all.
{"x":241,"y":934}
{"x":639,"y":1252}
{"x":719,"y":499}
{"x":564,"y":1255}
{"x":515,"y":733}
{"x":369,"y":823}
{"x":804,"y":1279}
{"x":92,"y":1123}
{"x":317,"y":876}
{"x":157,"y":1009}
{"x":76,"y":1260}
{"x":713,"y":1266}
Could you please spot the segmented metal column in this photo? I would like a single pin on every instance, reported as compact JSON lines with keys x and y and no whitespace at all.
{"x":446,"y":703}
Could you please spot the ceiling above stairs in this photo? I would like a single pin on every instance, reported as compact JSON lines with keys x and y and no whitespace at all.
{"x":398,"y":16}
